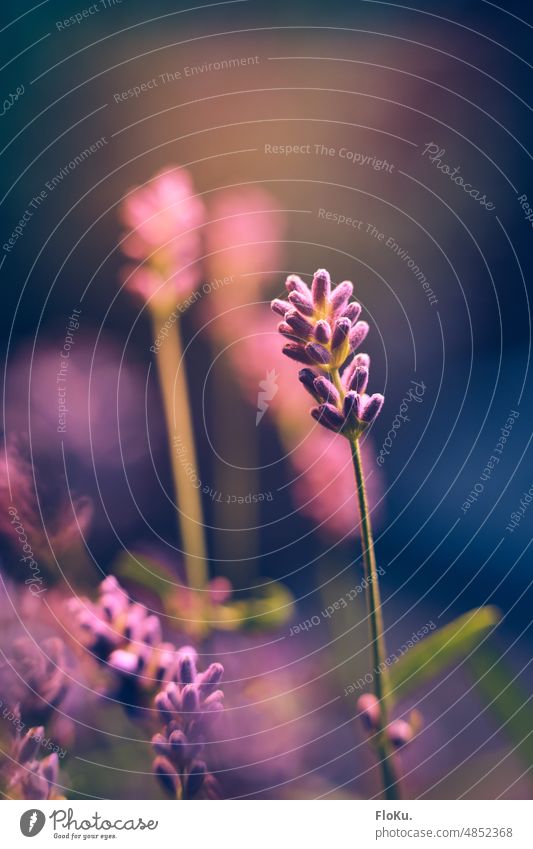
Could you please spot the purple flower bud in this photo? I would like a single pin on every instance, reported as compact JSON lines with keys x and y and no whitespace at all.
{"x":326,"y":391}
{"x":29,"y":744}
{"x":352,"y":311}
{"x":299,"y":324}
{"x":280,"y":306}
{"x":340,"y":297}
{"x":294,"y":283}
{"x":369,"y":712}
{"x":399,"y":733}
{"x":321,"y":288}
{"x":160,"y":744}
{"x":186,"y":669}
{"x":151,"y":630}
{"x":352,"y":407}
{"x":209,"y":679}
{"x":372,"y":408}
{"x":173,"y":695}
{"x":215,"y":698}
{"x":340,"y":333}
{"x":323,"y":331}
{"x":164,"y":706}
{"x":195,"y":780}
{"x":125,"y":662}
{"x":178,"y":745}
{"x":358,"y":334}
{"x":166,"y":774}
{"x":318,"y":354}
{"x":359,"y":380}
{"x":296,"y":351}
{"x":50,"y":768}
{"x":302,"y":302}
{"x":189,"y":698}
{"x":306,"y":376}
{"x":329,"y":416}
{"x":286,"y":330}
{"x":359,"y":361}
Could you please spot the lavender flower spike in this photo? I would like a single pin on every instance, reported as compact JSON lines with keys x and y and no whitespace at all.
{"x":189,"y":707}
{"x":325,"y":332}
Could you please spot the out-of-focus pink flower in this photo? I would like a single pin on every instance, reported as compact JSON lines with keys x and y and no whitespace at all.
{"x":164,"y":218}
{"x":243,"y":240}
{"x":324,"y":488}
{"x":103,"y":396}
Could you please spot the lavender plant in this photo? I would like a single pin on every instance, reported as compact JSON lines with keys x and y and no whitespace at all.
{"x":30,"y":777}
{"x":188,"y":708}
{"x":323,"y":331}
{"x":126,"y":637}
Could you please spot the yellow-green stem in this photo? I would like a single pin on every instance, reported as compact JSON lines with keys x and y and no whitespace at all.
{"x":174,"y":391}
{"x":383,"y":747}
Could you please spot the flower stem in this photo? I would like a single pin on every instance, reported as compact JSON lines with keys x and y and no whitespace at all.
{"x":383,"y":747}
{"x":173,"y":383}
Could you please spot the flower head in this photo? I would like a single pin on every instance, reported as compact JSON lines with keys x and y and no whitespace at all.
{"x":29,"y":776}
{"x":163,"y":217}
{"x":188,"y":705}
{"x":324,"y":332}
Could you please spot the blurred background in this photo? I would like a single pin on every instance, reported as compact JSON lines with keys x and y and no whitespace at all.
{"x":308,"y":130}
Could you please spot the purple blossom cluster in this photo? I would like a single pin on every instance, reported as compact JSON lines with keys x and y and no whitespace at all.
{"x":124,"y":634}
{"x":128,"y":638}
{"x":31,"y":778}
{"x":188,"y":706}
{"x":323,"y":328}
{"x":34,"y":675}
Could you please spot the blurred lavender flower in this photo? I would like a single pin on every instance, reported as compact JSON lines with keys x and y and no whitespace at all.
{"x":323,"y":330}
{"x":163,"y":217}
{"x":188,"y":706}
{"x":34,"y":675}
{"x":27,"y":776}
{"x":39,"y":524}
{"x":124,"y":635}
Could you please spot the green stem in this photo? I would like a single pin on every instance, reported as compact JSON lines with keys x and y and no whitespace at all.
{"x":173,"y":383}
{"x":383,"y":747}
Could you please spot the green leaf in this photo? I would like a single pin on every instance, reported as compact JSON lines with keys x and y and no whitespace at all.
{"x":505,"y":699}
{"x":271,"y":607}
{"x":444,"y":647}
{"x":145,"y":572}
